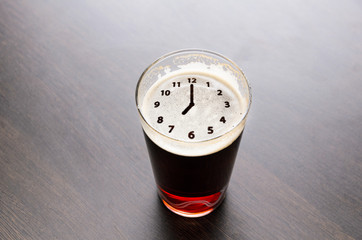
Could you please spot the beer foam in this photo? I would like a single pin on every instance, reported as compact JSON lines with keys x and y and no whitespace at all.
{"x":205,"y":144}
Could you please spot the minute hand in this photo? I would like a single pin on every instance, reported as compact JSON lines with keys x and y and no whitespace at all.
{"x":191,"y":94}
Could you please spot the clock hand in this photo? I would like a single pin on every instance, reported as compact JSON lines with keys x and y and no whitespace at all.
{"x":191,"y":104}
{"x":192,"y":94}
{"x":188,"y":108}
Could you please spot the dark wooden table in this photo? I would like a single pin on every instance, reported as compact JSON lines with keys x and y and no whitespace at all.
{"x":73,"y":161}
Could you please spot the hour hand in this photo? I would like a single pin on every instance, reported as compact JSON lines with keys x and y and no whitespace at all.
{"x":188,"y":108}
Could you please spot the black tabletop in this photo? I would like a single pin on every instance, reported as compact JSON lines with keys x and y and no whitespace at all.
{"x":73,"y":160}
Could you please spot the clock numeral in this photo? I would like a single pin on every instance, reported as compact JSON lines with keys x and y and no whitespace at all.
{"x":171,"y":128}
{"x":174,"y":84}
{"x":219,"y":92}
{"x":227,"y":104}
{"x":210,"y":130}
{"x":191,"y":135}
{"x":192,"y":80}
{"x":222,"y":119}
{"x":165,"y":92}
{"x":157,"y":104}
{"x":160,"y":119}
{"x":208,"y":84}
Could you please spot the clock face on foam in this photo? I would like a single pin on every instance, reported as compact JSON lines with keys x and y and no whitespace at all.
{"x":192,"y":107}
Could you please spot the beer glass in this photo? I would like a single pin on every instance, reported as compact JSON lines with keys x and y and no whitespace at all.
{"x":193,"y":106}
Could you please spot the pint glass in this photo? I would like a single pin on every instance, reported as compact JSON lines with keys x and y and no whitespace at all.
{"x":193,"y":106}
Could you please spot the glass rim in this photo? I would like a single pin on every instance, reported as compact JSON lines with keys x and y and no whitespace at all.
{"x":190,"y":50}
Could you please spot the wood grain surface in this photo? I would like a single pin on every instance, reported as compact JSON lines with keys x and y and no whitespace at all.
{"x":73,"y":161}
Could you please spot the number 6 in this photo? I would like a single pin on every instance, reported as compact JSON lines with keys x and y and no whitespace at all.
{"x":191,"y":135}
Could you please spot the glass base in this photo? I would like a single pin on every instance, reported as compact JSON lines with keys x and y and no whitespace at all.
{"x":191,"y":206}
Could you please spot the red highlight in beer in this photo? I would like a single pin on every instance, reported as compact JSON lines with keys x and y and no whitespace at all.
{"x":191,"y":206}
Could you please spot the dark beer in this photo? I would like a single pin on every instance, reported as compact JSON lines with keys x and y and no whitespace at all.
{"x":199,"y":181}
